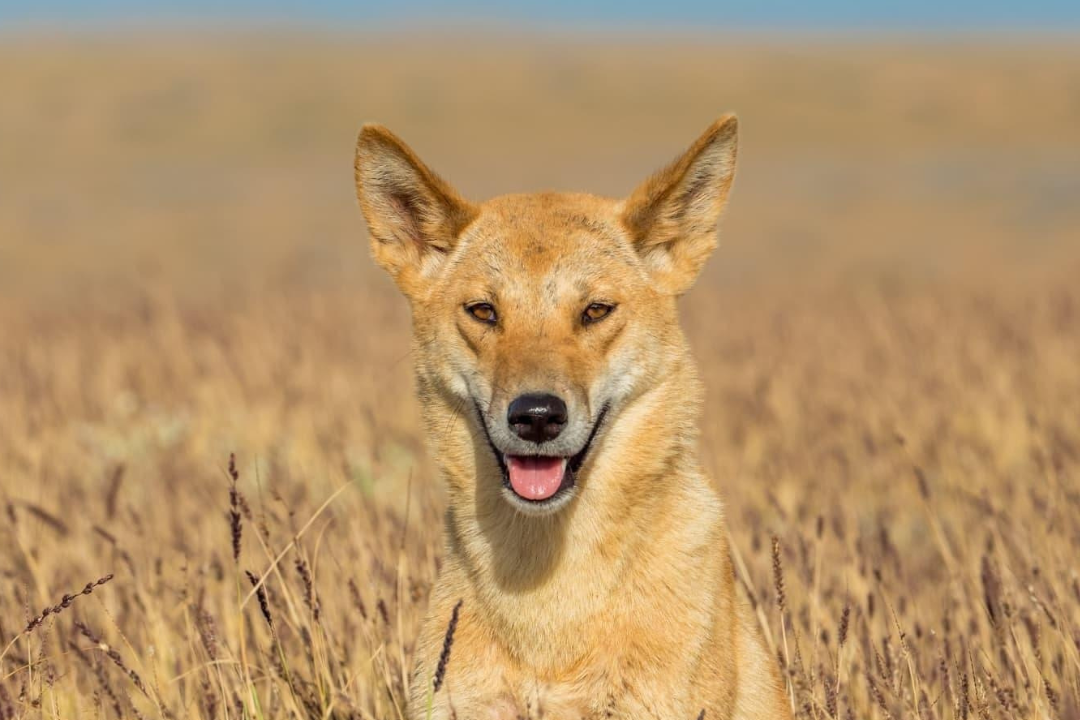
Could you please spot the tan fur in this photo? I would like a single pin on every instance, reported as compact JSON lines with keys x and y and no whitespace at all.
{"x":622,"y":602}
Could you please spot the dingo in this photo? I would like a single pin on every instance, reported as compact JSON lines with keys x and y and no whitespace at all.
{"x":585,"y":544}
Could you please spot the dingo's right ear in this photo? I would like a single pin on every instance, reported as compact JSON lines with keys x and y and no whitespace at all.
{"x":673,"y":215}
{"x":414,"y":216}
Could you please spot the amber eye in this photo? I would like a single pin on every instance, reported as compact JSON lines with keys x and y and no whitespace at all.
{"x":484,"y":312}
{"x":595,"y":312}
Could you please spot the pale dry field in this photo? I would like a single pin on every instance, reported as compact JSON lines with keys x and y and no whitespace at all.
{"x":889,"y":335}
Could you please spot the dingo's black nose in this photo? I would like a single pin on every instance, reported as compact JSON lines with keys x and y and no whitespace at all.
{"x":536,"y":417}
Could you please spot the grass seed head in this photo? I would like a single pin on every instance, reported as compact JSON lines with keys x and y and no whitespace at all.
{"x":448,"y":644}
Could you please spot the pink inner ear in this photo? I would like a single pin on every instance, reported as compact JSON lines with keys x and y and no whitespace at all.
{"x":404,"y":209}
{"x":695,"y":190}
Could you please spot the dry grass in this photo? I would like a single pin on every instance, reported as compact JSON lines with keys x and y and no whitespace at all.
{"x":891,"y":362}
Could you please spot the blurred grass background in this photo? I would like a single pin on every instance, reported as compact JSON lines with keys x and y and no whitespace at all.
{"x":184,"y":274}
{"x":221,"y":156}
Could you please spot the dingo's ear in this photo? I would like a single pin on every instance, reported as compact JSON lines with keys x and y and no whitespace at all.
{"x":673,"y":216}
{"x":414,"y":216}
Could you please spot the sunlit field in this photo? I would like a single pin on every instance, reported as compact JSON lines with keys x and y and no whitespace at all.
{"x":889,"y":337}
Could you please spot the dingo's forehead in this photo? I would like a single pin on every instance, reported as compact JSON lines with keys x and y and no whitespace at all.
{"x":537,"y":235}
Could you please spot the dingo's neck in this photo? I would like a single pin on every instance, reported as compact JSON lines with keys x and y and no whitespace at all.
{"x":641,"y":497}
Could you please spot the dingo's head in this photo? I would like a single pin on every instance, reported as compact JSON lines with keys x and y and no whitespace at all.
{"x":540,"y":317}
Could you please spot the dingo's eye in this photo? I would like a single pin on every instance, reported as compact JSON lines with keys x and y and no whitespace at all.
{"x":484,"y":312}
{"x":595,"y":312}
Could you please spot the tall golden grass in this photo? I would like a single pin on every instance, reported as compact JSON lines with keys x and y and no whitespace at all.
{"x":216,"y":500}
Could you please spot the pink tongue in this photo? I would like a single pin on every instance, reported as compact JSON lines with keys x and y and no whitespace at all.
{"x":535,"y":478}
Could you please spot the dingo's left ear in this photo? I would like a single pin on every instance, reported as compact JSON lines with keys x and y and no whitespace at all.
{"x":413,"y":215}
{"x":673,"y":216}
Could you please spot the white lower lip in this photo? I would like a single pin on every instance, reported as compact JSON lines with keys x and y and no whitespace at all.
{"x":537,"y":509}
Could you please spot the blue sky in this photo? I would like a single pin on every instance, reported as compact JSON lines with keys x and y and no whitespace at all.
{"x":913,"y":15}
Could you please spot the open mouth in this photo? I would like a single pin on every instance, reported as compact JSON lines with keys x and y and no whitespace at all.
{"x":540,"y":479}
